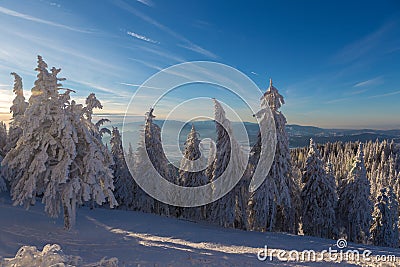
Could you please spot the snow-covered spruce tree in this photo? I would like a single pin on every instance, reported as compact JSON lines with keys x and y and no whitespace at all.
{"x":130,"y":156}
{"x":394,"y":214}
{"x":123,"y":181}
{"x":17,"y":109}
{"x":228,"y":211}
{"x":9,"y":140}
{"x":57,"y":157}
{"x":3,"y":141}
{"x":318,"y":197}
{"x":272,"y":205}
{"x":192,"y":159}
{"x":157,"y":157}
{"x":384,"y":228}
{"x":210,"y":161}
{"x":354,"y":205}
{"x":3,"y":138}
{"x":152,"y":147}
{"x":92,"y":103}
{"x":141,"y":168}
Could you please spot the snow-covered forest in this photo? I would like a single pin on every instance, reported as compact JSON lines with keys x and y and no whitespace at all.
{"x":53,"y":152}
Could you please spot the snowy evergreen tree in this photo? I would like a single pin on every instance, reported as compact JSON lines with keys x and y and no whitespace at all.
{"x":3,"y":142}
{"x":384,"y":229}
{"x":130,"y":156}
{"x":17,"y":109}
{"x":153,"y":148}
{"x":271,"y":206}
{"x":123,"y":181}
{"x":210,"y":161}
{"x":193,"y":179}
{"x":3,"y":138}
{"x":228,"y":211}
{"x":56,"y":156}
{"x":92,"y":103}
{"x":141,"y":168}
{"x":354,"y":204}
{"x":318,"y":197}
{"x":3,"y":185}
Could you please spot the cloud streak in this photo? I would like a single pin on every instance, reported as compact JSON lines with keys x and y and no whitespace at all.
{"x":16,"y":14}
{"x":187,"y":44}
{"x":374,"y":81}
{"x":364,"y":46}
{"x":385,"y":95}
{"x":139,"y":85}
{"x":142,"y":37}
{"x":146,"y":2}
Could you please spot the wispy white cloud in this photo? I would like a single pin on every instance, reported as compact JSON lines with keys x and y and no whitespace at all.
{"x":374,"y":81}
{"x":385,"y":95}
{"x":147,"y":64}
{"x":254,"y":73}
{"x":146,"y":2}
{"x":138,"y":85}
{"x":157,"y":51}
{"x":198,"y":49}
{"x":187,"y":44}
{"x":142,"y":37}
{"x":102,"y":88}
{"x":337,"y":100}
{"x":16,"y":14}
{"x":357,"y":92}
{"x":55,"y":4}
{"x":364,"y":46}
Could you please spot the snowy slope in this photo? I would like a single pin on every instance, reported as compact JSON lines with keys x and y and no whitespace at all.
{"x":139,"y":239}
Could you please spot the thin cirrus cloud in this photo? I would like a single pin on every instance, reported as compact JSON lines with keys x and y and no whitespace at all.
{"x":385,"y":95}
{"x":142,"y":37}
{"x":364,"y":46}
{"x":146,"y":2}
{"x":374,"y":81}
{"x":187,"y":44}
{"x":198,"y":49}
{"x":16,"y":14}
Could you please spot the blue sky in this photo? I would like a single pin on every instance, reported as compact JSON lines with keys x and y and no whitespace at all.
{"x":337,"y":63}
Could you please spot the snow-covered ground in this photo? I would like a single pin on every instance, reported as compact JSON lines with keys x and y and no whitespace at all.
{"x":139,"y":239}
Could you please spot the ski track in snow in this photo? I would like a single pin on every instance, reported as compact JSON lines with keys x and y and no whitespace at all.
{"x":139,"y":239}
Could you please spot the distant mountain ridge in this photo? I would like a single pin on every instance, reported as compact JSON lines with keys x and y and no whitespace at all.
{"x":299,"y":135}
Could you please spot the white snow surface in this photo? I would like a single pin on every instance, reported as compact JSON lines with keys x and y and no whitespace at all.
{"x":140,"y":239}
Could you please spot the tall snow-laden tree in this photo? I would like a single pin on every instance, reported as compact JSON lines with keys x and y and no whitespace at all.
{"x":152,"y":148}
{"x":3,"y":142}
{"x":229,"y":210}
{"x":384,"y":228}
{"x":17,"y":109}
{"x":123,"y":181}
{"x":193,"y":159}
{"x":57,"y":157}
{"x":3,"y":138}
{"x":394,"y":215}
{"x":157,"y":157}
{"x":271,"y":206}
{"x":210,"y":161}
{"x":130,"y":156}
{"x":318,"y":197}
{"x":3,"y":186}
{"x":92,"y":103}
{"x":9,"y":140}
{"x":354,"y":205}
